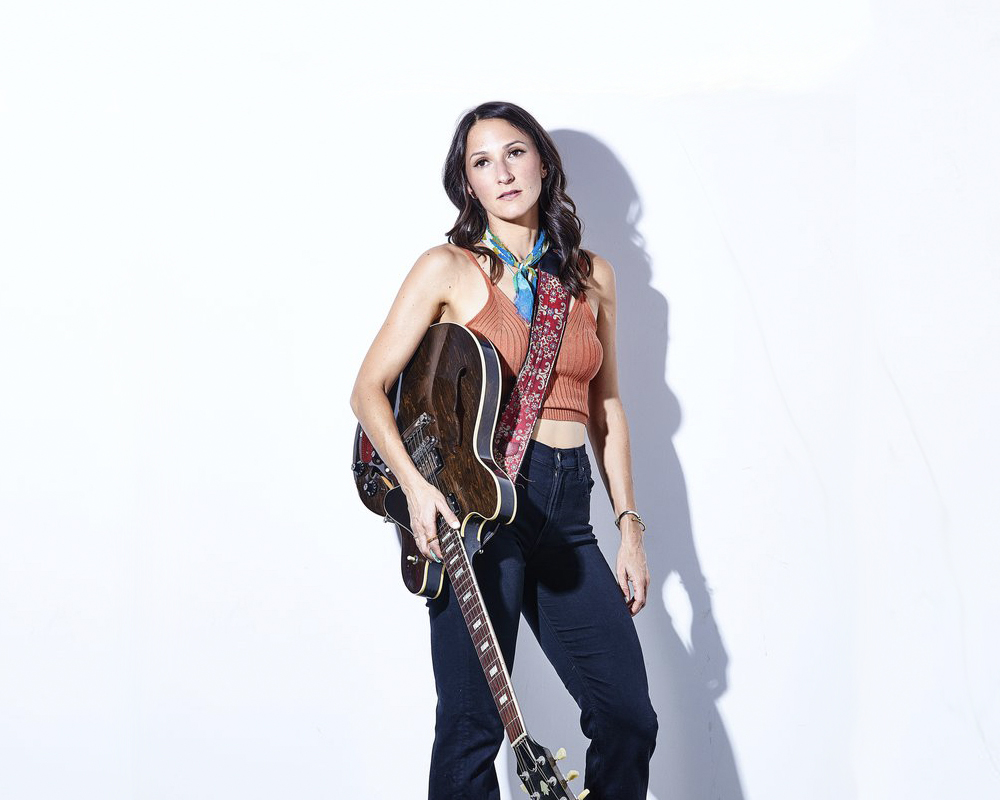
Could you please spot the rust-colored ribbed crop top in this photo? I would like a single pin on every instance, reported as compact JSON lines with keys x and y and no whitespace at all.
{"x":580,"y":355}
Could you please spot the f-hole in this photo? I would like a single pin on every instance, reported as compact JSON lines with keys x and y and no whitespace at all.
{"x":459,"y":408}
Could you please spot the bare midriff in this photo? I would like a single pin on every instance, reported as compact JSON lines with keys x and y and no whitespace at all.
{"x":559,"y":432}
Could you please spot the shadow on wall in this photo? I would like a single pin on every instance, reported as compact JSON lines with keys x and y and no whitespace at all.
{"x":693,"y":758}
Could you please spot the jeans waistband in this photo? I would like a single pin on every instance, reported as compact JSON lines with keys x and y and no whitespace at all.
{"x":566,"y":458}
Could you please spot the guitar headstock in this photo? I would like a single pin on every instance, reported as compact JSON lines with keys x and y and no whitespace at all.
{"x":539,"y":774}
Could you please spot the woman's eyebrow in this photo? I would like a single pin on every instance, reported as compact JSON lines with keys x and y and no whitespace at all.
{"x":483,"y":152}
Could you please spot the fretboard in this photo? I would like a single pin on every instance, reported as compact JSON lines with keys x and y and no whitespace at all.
{"x":466,"y":591}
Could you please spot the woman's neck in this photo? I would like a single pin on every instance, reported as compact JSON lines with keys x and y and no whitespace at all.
{"x":517,"y":237}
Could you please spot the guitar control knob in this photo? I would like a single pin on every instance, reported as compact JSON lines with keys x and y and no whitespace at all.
{"x":560,"y":754}
{"x":583,"y":794}
{"x":572,"y":775}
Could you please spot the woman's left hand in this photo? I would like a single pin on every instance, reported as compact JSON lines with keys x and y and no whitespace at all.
{"x":631,"y":568}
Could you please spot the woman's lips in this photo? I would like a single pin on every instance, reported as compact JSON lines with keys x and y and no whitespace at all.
{"x":510,"y":195}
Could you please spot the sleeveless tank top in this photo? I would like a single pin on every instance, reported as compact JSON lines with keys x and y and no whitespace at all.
{"x":580,"y":355}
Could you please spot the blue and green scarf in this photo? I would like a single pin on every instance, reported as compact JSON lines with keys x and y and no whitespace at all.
{"x":525,"y":273}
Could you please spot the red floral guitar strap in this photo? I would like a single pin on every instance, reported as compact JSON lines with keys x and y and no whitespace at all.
{"x":518,"y":417}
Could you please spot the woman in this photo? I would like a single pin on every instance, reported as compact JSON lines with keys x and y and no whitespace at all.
{"x":506,"y":178}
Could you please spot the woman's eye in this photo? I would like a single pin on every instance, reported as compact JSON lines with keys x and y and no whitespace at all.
{"x":480,"y":162}
{"x":515,"y":152}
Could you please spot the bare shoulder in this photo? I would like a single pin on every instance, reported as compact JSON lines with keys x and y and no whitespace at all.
{"x":445,"y":276}
{"x":601,"y":283}
{"x":442,"y":263}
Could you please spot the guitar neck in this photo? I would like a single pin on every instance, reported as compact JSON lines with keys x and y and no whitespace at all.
{"x":466,"y":589}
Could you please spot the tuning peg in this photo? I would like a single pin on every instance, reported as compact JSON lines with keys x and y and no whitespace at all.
{"x":560,"y":754}
{"x":523,"y":789}
{"x":572,"y":775}
{"x":583,"y":794}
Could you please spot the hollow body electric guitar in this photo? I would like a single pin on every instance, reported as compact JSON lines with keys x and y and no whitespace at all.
{"x":445,"y":403}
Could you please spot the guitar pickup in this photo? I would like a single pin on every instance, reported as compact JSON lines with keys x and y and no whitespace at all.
{"x":438,"y":462}
{"x":427,"y":450}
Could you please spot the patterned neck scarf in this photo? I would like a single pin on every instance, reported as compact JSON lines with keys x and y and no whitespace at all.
{"x":525,"y":274}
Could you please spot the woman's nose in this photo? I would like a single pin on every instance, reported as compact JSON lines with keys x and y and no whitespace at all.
{"x":504,"y":175}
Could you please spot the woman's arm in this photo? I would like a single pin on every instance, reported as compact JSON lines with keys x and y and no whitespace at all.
{"x":422,"y":297}
{"x":609,"y":439}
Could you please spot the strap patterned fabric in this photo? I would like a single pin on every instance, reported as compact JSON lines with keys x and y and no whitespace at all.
{"x":519,"y":415}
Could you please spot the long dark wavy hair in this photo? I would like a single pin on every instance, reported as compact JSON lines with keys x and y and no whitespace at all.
{"x":556,"y":211}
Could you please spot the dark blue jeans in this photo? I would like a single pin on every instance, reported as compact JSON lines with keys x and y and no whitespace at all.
{"x":545,"y":565}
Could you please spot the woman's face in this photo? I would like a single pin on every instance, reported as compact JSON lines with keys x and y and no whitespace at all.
{"x":504,"y":171}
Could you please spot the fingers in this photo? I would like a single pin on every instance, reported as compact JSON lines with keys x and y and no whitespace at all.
{"x":435,"y":548}
{"x":442,"y":508}
{"x":425,"y":528}
{"x":445,"y":511}
{"x":634,"y":588}
{"x":639,"y":594}
{"x":428,"y":544}
{"x":623,"y":584}
{"x":424,"y":536}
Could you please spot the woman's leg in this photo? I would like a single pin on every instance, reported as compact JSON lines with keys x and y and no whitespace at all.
{"x":576,"y":610}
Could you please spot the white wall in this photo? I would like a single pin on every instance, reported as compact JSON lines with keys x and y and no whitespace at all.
{"x":205,"y":209}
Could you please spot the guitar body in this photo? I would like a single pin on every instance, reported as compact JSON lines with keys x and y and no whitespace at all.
{"x":446,"y":403}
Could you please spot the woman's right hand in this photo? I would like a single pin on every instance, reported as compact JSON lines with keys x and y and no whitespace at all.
{"x":425,"y":502}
